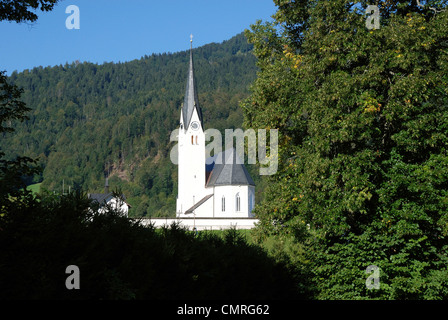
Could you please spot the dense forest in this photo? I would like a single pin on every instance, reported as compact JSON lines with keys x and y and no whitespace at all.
{"x":89,"y":121}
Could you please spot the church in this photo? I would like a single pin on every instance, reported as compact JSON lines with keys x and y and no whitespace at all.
{"x":109,"y":199}
{"x":217,"y":187}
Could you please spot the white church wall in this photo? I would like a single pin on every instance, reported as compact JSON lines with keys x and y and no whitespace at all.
{"x":205,"y":210}
{"x":203,"y":223}
{"x":226,"y":198}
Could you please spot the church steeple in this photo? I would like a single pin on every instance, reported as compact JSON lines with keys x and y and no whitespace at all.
{"x":191,"y":101}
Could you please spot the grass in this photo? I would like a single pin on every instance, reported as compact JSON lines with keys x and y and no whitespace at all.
{"x":34,"y":188}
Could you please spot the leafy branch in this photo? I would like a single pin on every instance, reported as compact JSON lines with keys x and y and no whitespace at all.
{"x":431,"y":8}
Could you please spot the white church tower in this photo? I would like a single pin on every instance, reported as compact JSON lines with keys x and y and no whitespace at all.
{"x":191,"y":144}
{"x":223,"y":188}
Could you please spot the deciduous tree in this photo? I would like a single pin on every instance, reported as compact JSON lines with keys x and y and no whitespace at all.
{"x":363,"y":118}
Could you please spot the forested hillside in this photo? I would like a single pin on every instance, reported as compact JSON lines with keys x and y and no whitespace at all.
{"x":89,"y":121}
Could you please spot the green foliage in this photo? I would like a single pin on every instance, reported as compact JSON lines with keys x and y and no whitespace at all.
{"x":21,"y":10}
{"x":13,"y":172}
{"x":34,"y":188}
{"x":362,"y":116}
{"x":409,"y":268}
{"x":285,"y":249}
{"x":11,"y":107}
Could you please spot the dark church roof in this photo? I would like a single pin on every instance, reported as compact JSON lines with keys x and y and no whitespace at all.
{"x":226,"y":168}
{"x":191,"y":100}
{"x":101,"y":198}
{"x":191,"y":210}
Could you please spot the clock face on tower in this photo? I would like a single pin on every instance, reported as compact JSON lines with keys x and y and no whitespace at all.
{"x":195,"y":125}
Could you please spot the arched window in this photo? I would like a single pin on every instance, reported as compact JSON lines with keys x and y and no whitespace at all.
{"x":251,"y":201}
{"x":223,"y":204}
{"x":197,"y":140}
{"x":191,"y":139}
{"x":238,"y":202}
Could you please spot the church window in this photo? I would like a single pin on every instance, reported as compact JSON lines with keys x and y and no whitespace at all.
{"x":238,"y":202}
{"x":197,"y":140}
{"x":223,"y":204}
{"x":251,"y":201}
{"x":191,"y":139}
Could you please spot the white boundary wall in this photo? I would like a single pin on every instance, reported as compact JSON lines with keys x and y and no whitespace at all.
{"x":203,"y":223}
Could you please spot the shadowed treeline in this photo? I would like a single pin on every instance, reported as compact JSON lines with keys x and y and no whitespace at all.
{"x":120,"y":259}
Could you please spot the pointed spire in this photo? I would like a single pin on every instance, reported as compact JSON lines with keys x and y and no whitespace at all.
{"x":191,"y":95}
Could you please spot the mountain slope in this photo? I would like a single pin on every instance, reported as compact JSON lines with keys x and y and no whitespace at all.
{"x":89,"y":121}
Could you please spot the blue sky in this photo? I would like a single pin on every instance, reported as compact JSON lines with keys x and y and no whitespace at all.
{"x":123,"y":30}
